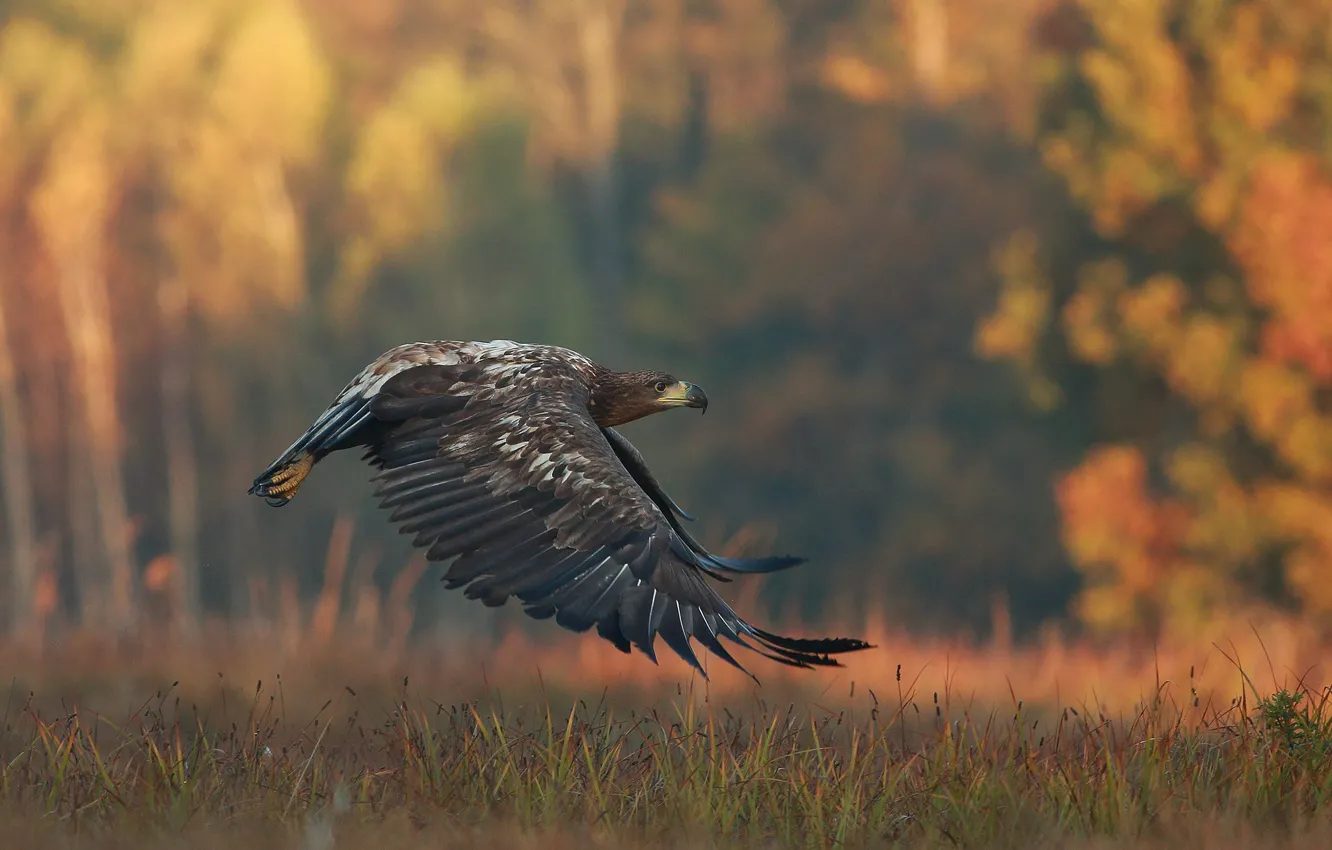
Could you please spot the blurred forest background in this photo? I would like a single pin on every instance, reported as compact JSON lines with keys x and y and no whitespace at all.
{"x":1011,"y":311}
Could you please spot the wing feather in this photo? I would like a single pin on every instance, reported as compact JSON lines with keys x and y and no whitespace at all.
{"x":676,"y":627}
{"x":510,"y":555}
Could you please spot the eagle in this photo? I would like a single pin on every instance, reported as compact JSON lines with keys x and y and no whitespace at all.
{"x":504,"y":458}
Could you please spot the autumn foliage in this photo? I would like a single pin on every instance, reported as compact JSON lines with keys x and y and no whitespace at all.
{"x":1192,"y":138}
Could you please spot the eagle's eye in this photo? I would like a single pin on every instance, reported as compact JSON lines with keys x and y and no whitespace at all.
{"x":660,"y":386}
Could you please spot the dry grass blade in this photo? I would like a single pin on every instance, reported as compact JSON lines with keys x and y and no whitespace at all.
{"x":693,"y":774}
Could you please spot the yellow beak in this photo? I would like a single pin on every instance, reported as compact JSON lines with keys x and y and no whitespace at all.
{"x":684,"y":394}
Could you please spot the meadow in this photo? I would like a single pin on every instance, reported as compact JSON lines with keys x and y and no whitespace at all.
{"x":1028,"y":298}
{"x":284,"y":735}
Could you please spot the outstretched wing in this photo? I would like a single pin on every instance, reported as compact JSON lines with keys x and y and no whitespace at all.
{"x":498,"y":466}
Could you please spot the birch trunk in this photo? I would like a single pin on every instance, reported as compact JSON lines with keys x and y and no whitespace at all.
{"x":83,"y":300}
{"x":71,"y":209}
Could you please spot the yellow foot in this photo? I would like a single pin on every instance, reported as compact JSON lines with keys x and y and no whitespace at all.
{"x":284,"y":483}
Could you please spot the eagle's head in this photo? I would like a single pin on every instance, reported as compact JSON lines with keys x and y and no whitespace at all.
{"x":620,"y":397}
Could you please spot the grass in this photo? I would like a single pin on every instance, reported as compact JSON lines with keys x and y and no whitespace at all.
{"x":317,"y":730}
{"x":395,"y":767}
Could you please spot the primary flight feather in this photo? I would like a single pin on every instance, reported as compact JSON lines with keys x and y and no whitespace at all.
{"x":503,"y":457}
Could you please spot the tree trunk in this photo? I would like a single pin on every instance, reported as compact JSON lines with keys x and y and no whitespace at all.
{"x":247,"y":546}
{"x":71,"y":208}
{"x":85,"y":560}
{"x":182,"y":464}
{"x":83,"y":299}
{"x":599,"y":30}
{"x":17,"y":487}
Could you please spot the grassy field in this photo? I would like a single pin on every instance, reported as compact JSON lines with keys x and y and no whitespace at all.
{"x":268,"y":741}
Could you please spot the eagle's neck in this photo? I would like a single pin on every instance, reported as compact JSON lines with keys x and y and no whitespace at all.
{"x":615,"y":398}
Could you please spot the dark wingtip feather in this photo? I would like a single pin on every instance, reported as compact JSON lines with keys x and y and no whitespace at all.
{"x":807,"y":652}
{"x":831,"y":646}
{"x":675,"y":630}
{"x":609,"y":628}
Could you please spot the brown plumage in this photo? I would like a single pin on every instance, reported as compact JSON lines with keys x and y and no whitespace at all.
{"x":502,"y":458}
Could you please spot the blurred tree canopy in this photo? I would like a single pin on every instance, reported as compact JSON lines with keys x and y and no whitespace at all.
{"x":1023,"y":302}
{"x":1188,"y":296}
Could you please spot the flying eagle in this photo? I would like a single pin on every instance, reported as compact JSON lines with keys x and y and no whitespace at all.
{"x":504,"y":457}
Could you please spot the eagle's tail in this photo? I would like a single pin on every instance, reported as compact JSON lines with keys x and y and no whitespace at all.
{"x":336,"y":428}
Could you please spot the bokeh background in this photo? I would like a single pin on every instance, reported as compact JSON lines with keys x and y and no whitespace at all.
{"x":1015,"y":314}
